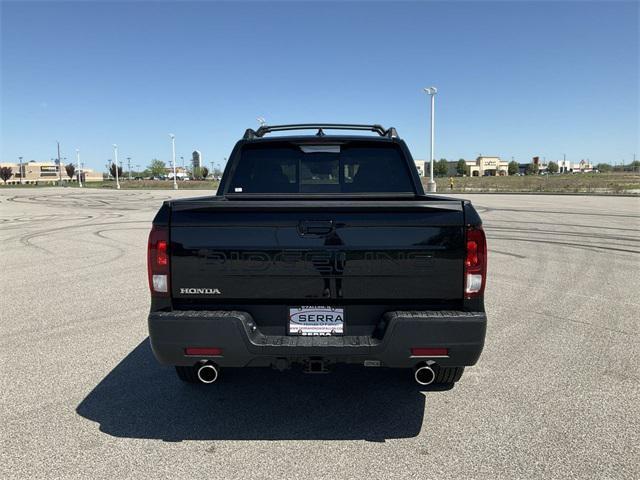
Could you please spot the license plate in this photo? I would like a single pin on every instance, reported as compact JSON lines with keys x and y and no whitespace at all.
{"x":309,"y":321}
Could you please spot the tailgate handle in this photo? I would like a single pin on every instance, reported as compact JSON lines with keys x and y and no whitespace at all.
{"x":316,"y":227}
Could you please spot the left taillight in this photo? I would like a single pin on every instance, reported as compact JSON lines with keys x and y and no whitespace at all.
{"x":158,"y":261}
{"x":475,"y":263}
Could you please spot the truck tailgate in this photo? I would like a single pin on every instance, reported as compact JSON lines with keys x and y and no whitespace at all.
{"x":296,"y":252}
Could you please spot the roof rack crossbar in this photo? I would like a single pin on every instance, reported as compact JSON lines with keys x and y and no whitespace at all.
{"x":250,"y":133}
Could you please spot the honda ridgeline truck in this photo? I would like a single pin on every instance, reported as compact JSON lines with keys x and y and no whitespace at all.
{"x":318,"y":249}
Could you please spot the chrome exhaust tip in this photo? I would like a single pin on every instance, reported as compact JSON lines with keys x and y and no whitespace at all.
{"x":207,"y":373}
{"x":424,"y":375}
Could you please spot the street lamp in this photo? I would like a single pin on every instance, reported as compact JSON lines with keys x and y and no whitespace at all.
{"x":173,"y":159}
{"x":79,"y":170}
{"x":21,"y":170}
{"x":129,"y":167}
{"x":431,"y":91}
{"x":59,"y":164}
{"x":64,"y":159}
{"x":115,"y":161}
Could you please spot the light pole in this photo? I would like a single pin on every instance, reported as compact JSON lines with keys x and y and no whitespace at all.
{"x":129,"y":166}
{"x":21,"y":170}
{"x":173,"y":159}
{"x":79,"y":169}
{"x":115,"y":162}
{"x":431,"y":91}
{"x":59,"y":164}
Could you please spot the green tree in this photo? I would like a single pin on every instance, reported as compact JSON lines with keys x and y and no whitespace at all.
{"x":5,"y":173}
{"x":112,"y":171}
{"x":205,"y":172}
{"x":604,"y":167}
{"x":461,"y":167}
{"x":157,"y":168}
{"x":514,"y":167}
{"x":532,"y":169}
{"x":71,"y":170}
{"x":552,"y":167}
{"x":197,"y":173}
{"x":441,"y":168}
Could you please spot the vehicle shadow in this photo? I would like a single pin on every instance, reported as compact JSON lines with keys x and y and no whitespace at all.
{"x":141,"y":399}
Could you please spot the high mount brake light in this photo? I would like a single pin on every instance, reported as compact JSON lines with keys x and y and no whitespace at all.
{"x":475,"y":263}
{"x":158,"y":261}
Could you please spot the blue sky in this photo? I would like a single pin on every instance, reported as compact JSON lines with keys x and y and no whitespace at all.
{"x":515,"y":79}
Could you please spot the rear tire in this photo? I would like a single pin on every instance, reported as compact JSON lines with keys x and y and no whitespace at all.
{"x":187,"y":374}
{"x":446,"y":375}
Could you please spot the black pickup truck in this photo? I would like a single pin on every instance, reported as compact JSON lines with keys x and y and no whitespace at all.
{"x":318,"y":249}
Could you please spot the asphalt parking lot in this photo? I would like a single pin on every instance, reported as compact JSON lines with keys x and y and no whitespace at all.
{"x":555,"y":395}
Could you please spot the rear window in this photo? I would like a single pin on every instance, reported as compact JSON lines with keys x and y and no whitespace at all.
{"x":353,"y":168}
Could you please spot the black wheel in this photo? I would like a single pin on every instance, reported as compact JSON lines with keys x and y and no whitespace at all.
{"x":187,"y":374}
{"x":448,"y":374}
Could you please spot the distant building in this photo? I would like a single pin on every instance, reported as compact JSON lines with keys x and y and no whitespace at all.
{"x":196,"y":159}
{"x":487,"y":166}
{"x":181,"y":173}
{"x":481,"y":166}
{"x":38,"y":173}
{"x":564,"y":166}
{"x":423,"y":167}
{"x":583,"y":166}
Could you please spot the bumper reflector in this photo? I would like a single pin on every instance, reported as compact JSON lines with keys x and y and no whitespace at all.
{"x":429,"y":352}
{"x":203,"y":351}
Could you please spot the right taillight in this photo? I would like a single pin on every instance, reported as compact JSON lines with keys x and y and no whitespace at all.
{"x":475,"y":263}
{"x":158,"y":261}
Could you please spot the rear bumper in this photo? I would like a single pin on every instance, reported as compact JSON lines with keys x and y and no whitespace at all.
{"x":243,"y":344}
